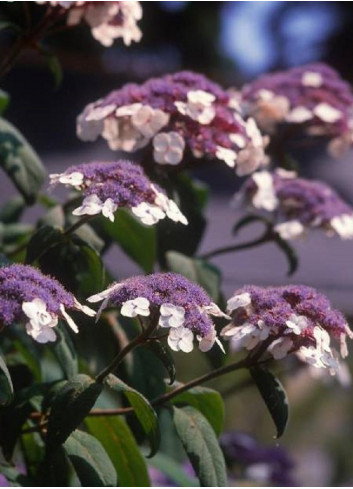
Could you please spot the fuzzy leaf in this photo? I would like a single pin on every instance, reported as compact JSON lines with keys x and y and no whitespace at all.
{"x":164,"y":355}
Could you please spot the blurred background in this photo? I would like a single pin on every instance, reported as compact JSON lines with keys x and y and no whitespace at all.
{"x":232,"y":43}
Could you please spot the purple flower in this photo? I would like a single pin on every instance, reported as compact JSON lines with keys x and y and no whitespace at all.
{"x":28,"y":295}
{"x":175,"y":113}
{"x":173,"y":301}
{"x":299,"y":204}
{"x":293,"y":318}
{"x":4,"y":481}
{"x":312,"y":96}
{"x":261,"y":463}
{"x":108,"y":20}
{"x":108,"y":186}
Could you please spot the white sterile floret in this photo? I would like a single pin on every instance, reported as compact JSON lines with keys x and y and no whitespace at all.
{"x":280,"y":348}
{"x":207,"y":342}
{"x":198,"y":106}
{"x":149,"y":121}
{"x":181,"y":339}
{"x":299,"y":114}
{"x":136,"y":307}
{"x":41,"y":322}
{"x":100,"y":113}
{"x":85,"y":309}
{"x":68,"y":319}
{"x":227,"y":155}
{"x":171,"y":316}
{"x":290,"y":229}
{"x":108,"y":209}
{"x":88,"y":130}
{"x":343,"y":225}
{"x":214,"y":310}
{"x":296,"y":324}
{"x":238,"y":139}
{"x":270,"y":109}
{"x":327,"y":113}
{"x":91,"y":206}
{"x":168,"y":148}
{"x":312,"y":79}
{"x":169,"y":207}
{"x":149,"y":214}
{"x":241,"y":300}
{"x":75,"y":178}
{"x":265,"y":196}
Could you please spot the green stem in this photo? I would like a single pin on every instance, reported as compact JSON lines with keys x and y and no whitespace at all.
{"x":242,"y":246}
{"x":140,"y":339}
{"x":76,"y":225}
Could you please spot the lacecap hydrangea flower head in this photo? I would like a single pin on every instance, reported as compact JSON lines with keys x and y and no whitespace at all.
{"x":299,"y":204}
{"x":176,"y":114}
{"x":313,"y":97}
{"x":172,"y":301}
{"x":288,"y":319}
{"x":26,"y":295}
{"x":109,"y":186}
{"x":108,"y":20}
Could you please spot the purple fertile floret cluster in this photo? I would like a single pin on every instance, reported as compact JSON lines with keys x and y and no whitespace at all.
{"x":23,"y":283}
{"x":161,"y":288}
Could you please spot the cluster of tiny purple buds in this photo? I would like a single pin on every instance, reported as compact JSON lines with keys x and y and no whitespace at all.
{"x":108,"y":20}
{"x":109,"y":186}
{"x":299,"y":204}
{"x":292,"y":318}
{"x":174,"y":301}
{"x":312,"y":96}
{"x":179,"y":112}
{"x":28,"y":295}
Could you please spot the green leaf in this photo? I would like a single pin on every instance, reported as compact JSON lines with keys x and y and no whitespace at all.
{"x":45,"y":238}
{"x":142,"y":409}
{"x":165,"y":356}
{"x":249,"y":219}
{"x":55,"y":68}
{"x":12,"y":210}
{"x":201,"y":445}
{"x":91,"y":462}
{"x":137,"y":240}
{"x":196,"y":270}
{"x":274,"y":396}
{"x":119,"y":443}
{"x":65,"y":353}
{"x":6,"y":387}
{"x":71,"y":405}
{"x":4,"y":99}
{"x":289,"y":253}
{"x":173,"y":470}
{"x":208,"y":401}
{"x":19,"y":160}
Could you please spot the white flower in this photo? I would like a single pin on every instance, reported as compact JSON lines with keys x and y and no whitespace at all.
{"x":214,"y":310}
{"x":40,"y":322}
{"x":136,"y":307}
{"x":181,"y":339}
{"x":108,"y":209}
{"x":91,"y":206}
{"x":241,"y":300}
{"x":149,"y":121}
{"x":299,"y":114}
{"x":171,"y":316}
{"x":207,"y":342}
{"x":168,"y":148}
{"x":247,"y":336}
{"x":85,"y":309}
{"x":88,"y":130}
{"x":280,"y":348}
{"x":99,"y":113}
{"x":68,"y":319}
{"x":198,"y":106}
{"x":290,"y":229}
{"x":343,"y":225}
{"x":103,"y":296}
{"x":265,"y":196}
{"x":149,"y":214}
{"x":296,"y":324}
{"x":75,"y":178}
{"x":340,"y":145}
{"x":312,"y":79}
{"x":327,"y":113}
{"x":169,"y":207}
{"x":227,"y":155}
{"x":270,"y":109}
